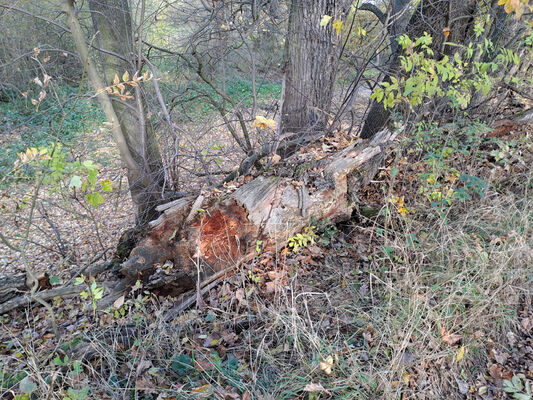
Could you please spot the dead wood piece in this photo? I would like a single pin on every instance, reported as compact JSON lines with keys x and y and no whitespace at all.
{"x":268,"y":208}
{"x":26,"y":299}
{"x":15,"y":293}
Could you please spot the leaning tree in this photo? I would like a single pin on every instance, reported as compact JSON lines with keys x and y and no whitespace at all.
{"x":121,"y":59}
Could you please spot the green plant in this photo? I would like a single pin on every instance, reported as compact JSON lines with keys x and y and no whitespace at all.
{"x":52,"y":162}
{"x":77,"y":394}
{"x":429,"y":78}
{"x":325,"y":230}
{"x":93,"y":293}
{"x":303,"y":239}
{"x":519,"y":390}
{"x":37,"y":128}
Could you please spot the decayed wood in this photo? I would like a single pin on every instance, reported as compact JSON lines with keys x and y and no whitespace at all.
{"x":202,"y":234}
{"x":15,"y":292}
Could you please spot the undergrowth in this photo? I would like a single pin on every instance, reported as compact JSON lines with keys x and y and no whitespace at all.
{"x":22,"y":127}
{"x":407,"y":304}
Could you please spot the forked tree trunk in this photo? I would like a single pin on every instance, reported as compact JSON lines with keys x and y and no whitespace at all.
{"x":311,"y":59}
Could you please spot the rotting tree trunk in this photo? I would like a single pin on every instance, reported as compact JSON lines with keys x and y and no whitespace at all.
{"x":311,"y":59}
{"x":206,"y":235}
{"x":201,"y":236}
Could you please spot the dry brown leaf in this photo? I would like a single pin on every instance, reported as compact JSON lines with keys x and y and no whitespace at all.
{"x":315,"y":387}
{"x":448,"y":337}
{"x":119,"y":302}
{"x":495,"y":371}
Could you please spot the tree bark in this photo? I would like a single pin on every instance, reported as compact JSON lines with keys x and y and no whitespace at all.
{"x":134,"y":134}
{"x":311,"y":58}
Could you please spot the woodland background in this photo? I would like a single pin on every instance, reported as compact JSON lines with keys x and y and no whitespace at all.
{"x":419,"y":288}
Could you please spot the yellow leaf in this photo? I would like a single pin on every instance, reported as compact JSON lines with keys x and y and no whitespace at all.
{"x":405,"y":377}
{"x":326,"y":365}
{"x":224,"y":26}
{"x":338,"y":25}
{"x":263,"y":123}
{"x":125,"y":76}
{"x":460,"y":353}
{"x":325,"y":20}
{"x":116,"y":80}
{"x":200,"y":389}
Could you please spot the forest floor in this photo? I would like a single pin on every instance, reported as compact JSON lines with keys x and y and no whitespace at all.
{"x":426,"y":293}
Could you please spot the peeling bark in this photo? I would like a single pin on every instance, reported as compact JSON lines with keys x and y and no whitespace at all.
{"x":268,"y":208}
{"x":207,"y":235}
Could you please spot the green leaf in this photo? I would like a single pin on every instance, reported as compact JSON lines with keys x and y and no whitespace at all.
{"x":107,"y":185}
{"x":78,"y":394}
{"x":76,"y":367}
{"x":325,"y":20}
{"x":95,"y":199}
{"x":182,"y":364}
{"x":27,"y":386}
{"x":54,"y":280}
{"x":75,"y":182}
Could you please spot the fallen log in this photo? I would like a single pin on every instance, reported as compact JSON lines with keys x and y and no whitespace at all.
{"x":198,"y":236}
{"x":15,"y":291}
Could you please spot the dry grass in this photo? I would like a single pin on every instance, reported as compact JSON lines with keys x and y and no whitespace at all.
{"x":400,"y":307}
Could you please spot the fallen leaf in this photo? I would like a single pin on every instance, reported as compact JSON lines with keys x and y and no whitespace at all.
{"x":448,"y":337}
{"x":495,"y":371}
{"x":326,"y":365}
{"x":405,"y":378}
{"x":460,"y":353}
{"x":463,"y":386}
{"x":315,"y":387}
{"x":119,"y":302}
{"x":201,"y":389}
{"x":239,"y":295}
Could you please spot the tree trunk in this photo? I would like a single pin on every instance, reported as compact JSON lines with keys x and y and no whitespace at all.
{"x":113,"y":23}
{"x":196,"y":239}
{"x":204,"y":235}
{"x":311,"y":58}
{"x":431,"y":16}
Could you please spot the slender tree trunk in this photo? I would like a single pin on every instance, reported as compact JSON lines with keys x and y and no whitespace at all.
{"x":311,"y":58}
{"x":113,"y":25}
